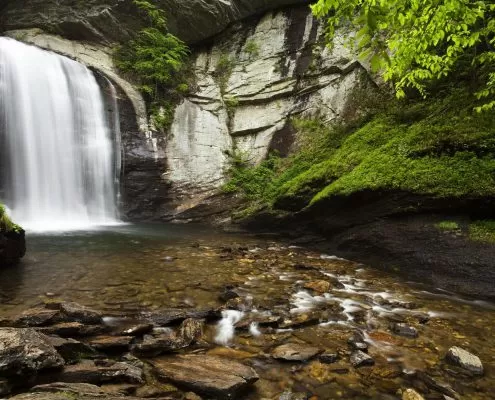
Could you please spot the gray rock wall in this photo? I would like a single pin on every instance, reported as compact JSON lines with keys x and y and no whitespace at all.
{"x":114,"y":20}
{"x":251,"y":81}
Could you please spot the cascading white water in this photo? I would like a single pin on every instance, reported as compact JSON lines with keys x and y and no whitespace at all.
{"x":61,"y":156}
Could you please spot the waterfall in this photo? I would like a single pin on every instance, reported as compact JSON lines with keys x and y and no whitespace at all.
{"x":60,"y":149}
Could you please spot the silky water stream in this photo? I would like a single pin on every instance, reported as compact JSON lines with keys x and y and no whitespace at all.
{"x":130,"y":271}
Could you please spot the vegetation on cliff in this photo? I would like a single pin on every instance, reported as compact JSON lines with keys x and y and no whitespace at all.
{"x":155,"y":59}
{"x":419,"y":42}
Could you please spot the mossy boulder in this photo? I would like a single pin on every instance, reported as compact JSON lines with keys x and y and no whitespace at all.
{"x":12,"y":240}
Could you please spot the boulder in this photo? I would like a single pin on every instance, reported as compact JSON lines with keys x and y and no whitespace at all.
{"x":25,"y":352}
{"x":70,"y":329}
{"x":465,"y":360}
{"x":318,"y":286}
{"x":111,"y":343}
{"x":12,"y":247}
{"x":209,"y":375}
{"x":295,"y":352}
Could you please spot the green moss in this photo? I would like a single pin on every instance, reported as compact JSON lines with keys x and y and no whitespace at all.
{"x":439,"y":148}
{"x":448,"y":226}
{"x":252,"y":48}
{"x":482,"y":231}
{"x":6,"y":224}
{"x":223,"y":71}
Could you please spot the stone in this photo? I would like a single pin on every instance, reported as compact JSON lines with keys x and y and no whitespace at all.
{"x":295,"y":352}
{"x":74,"y":312}
{"x":403,"y":329}
{"x":290,"y":395}
{"x":70,"y":329}
{"x":26,"y":352}
{"x":191,"y":331}
{"x":152,"y":346}
{"x":111,"y":343}
{"x":70,"y":349}
{"x":300,"y":320}
{"x":173,"y":316}
{"x":411,"y":394}
{"x":137,"y":330}
{"x":318,"y":286}
{"x":35,"y":317}
{"x":99,"y":373}
{"x":361,"y":359}
{"x":464,"y":359}
{"x":228,"y":294}
{"x":209,"y":375}
{"x":328,"y":357}
{"x":12,"y":246}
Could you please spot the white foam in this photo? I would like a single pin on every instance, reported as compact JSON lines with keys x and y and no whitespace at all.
{"x":225,"y":327}
{"x":254,"y":329}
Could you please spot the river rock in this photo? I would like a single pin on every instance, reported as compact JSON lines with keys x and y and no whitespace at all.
{"x":172,"y":316}
{"x":70,"y":329}
{"x":191,"y":330}
{"x":209,"y":375}
{"x":361,"y":359}
{"x":73,"y":312}
{"x":35,"y":317}
{"x":465,"y":360}
{"x":295,"y":352}
{"x":99,"y":373}
{"x":328,"y":357}
{"x":403,"y":329}
{"x":70,"y":349}
{"x":111,"y":343}
{"x":411,"y":394}
{"x":137,"y":330}
{"x":26,"y":352}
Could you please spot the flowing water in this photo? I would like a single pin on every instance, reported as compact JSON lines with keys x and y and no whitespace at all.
{"x":131,"y":270}
{"x":58,"y":143}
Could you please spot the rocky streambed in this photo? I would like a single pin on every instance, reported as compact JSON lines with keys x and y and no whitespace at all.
{"x":202,"y":315}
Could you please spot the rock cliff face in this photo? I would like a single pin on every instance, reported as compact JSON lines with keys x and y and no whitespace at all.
{"x":107,"y":21}
{"x":250,"y":82}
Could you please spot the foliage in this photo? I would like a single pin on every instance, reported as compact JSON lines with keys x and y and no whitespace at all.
{"x":419,"y":42}
{"x":154,"y":56}
{"x":6,"y":224}
{"x":251,"y":181}
{"x":252,"y":48}
{"x":482,"y":231}
{"x":162,"y":114}
{"x":448,"y":226}
{"x":439,"y":148}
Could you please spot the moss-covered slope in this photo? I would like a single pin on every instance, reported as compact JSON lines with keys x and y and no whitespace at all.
{"x":441,"y":149}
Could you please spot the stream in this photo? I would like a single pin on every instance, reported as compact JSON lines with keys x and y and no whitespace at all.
{"x":271,"y":293}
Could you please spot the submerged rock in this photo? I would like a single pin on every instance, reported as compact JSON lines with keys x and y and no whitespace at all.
{"x":209,"y":375}
{"x":403,"y":329}
{"x":411,"y":394}
{"x":26,"y":352}
{"x":328,"y":357}
{"x":361,"y":359}
{"x":465,"y":360}
{"x":295,"y":352}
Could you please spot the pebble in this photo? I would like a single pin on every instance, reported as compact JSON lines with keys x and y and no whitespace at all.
{"x":361,"y":359}
{"x":465,"y":360}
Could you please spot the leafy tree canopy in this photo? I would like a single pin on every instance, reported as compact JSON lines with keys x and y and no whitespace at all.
{"x":417,"y":42}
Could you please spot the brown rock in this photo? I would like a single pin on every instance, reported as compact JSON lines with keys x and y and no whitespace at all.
{"x":111,"y":343}
{"x":73,"y":329}
{"x":35,"y":317}
{"x":320,"y":286}
{"x":73,"y":312}
{"x":207,"y":375}
{"x":295,"y":352}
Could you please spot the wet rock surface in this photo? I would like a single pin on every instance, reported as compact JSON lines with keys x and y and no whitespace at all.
{"x":295,"y":352}
{"x":25,"y":352}
{"x":206,"y":374}
{"x":465,"y":360}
